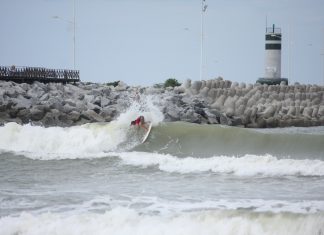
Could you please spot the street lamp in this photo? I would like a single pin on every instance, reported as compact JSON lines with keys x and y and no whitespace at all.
{"x":322,"y":54}
{"x":203,"y":10}
{"x":73,"y":23}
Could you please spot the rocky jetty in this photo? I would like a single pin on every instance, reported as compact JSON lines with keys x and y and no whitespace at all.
{"x":215,"y":101}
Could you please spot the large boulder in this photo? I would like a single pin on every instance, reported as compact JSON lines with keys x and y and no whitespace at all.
{"x":172,"y":113}
{"x":36,"y":114}
{"x":211,"y":117}
{"x":74,"y":116}
{"x":92,"y":116}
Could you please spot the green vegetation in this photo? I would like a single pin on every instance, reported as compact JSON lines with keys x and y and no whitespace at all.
{"x":115,"y":83}
{"x":171,"y":82}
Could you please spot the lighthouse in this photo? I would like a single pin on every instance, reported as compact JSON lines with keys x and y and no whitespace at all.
{"x":272,"y":73}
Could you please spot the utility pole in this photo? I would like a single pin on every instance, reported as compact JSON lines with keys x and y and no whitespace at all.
{"x":74,"y":34}
{"x":322,"y":54}
{"x":203,"y":10}
{"x":289,"y":55}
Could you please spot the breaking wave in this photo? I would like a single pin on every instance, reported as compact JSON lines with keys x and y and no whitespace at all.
{"x":248,"y":165}
{"x":176,"y":139}
{"x":128,"y":221}
{"x":86,"y":141}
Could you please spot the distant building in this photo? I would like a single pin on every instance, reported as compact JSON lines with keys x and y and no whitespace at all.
{"x":272,"y":75}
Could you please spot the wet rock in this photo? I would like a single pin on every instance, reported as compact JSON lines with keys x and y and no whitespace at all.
{"x":92,"y":116}
{"x":24,"y":115}
{"x":74,"y":116}
{"x":36,"y":114}
{"x":173,"y":114}
{"x":211,"y":117}
{"x":65,"y":119}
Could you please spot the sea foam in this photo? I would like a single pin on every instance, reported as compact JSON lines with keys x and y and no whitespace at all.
{"x":86,"y":141}
{"x":54,"y":142}
{"x":127,"y":221}
{"x":248,"y":165}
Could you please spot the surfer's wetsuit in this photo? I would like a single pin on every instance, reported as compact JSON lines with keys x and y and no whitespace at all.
{"x":139,"y":122}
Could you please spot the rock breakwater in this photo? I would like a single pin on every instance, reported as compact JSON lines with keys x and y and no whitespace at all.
{"x":215,"y":101}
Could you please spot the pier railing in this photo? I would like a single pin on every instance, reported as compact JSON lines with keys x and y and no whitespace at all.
{"x":30,"y":74}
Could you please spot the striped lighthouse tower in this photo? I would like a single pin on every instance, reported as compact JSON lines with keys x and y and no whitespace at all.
{"x":272,"y":75}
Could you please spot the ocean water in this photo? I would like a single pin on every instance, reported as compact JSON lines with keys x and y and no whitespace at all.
{"x":186,"y":179}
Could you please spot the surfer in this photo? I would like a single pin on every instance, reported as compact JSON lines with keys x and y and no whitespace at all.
{"x":139,"y":122}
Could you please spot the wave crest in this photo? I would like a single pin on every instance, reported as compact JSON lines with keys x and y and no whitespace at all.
{"x":128,"y":221}
{"x":248,"y":165}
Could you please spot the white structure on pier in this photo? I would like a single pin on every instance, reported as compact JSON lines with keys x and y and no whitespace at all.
{"x":272,"y":73}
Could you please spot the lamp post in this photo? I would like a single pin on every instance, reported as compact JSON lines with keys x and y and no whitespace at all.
{"x":74,"y":29}
{"x":322,"y":54}
{"x":203,"y":10}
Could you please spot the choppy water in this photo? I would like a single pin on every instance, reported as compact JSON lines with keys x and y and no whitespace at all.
{"x":186,"y":179}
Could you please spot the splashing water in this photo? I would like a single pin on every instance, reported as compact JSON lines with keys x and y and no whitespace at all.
{"x":89,"y":140}
{"x":145,"y":106}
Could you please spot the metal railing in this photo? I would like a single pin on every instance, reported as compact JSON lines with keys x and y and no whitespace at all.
{"x":270,"y":30}
{"x":30,"y":74}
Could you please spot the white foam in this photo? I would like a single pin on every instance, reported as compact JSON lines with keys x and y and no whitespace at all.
{"x":153,"y":204}
{"x":86,"y":141}
{"x":128,"y":221}
{"x":314,"y":130}
{"x":248,"y":165}
{"x":59,"y":143}
{"x":145,"y":106}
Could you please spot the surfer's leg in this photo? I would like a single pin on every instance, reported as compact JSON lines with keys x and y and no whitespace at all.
{"x":144,"y":126}
{"x":142,"y":120}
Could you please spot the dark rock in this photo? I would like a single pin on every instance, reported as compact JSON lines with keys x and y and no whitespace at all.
{"x":212,"y":119}
{"x":173,"y":114}
{"x":92,"y":116}
{"x":69,"y":102}
{"x":237,"y":121}
{"x":271,"y":122}
{"x":74,"y":116}
{"x":13,"y":112}
{"x":225,"y":120}
{"x":80,"y":97}
{"x":107,"y":114}
{"x":24,"y":115}
{"x":11,"y":92}
{"x":4,"y":115}
{"x":52,"y":118}
{"x":105,"y":102}
{"x":36,"y":114}
{"x":260,"y":122}
{"x":55,"y":103}
{"x":68,"y":108}
{"x":65,"y":119}
{"x":189,"y":116}
{"x":106,"y":91}
{"x":97,"y":101}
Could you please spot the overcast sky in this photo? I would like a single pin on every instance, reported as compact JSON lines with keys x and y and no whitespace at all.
{"x":143,"y":42}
